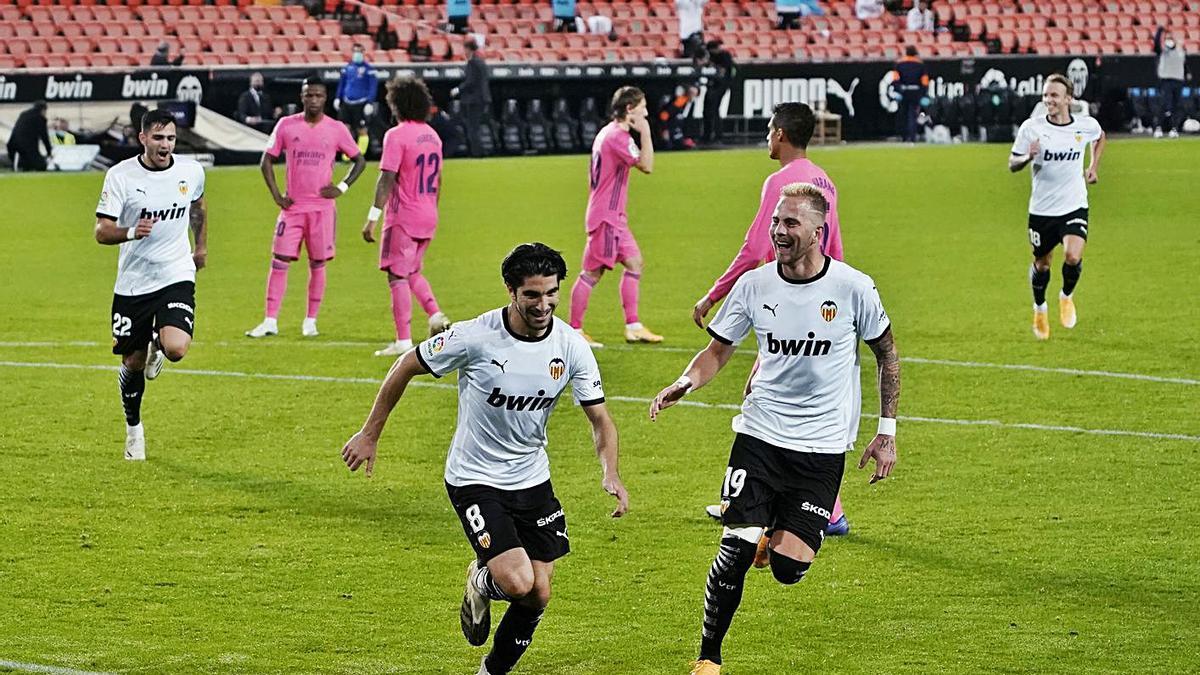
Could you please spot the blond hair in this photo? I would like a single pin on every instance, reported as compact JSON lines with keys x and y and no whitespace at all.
{"x":808,"y":192}
{"x":1059,"y":78}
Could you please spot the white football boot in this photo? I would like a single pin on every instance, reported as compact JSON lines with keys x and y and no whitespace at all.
{"x":396,"y":348}
{"x":475,"y":616}
{"x":268,"y":327}
{"x":135,"y":443}
{"x":309,"y":328}
{"x":155,"y":360}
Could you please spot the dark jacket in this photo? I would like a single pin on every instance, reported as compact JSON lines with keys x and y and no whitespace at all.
{"x":248,"y":107}
{"x":160,"y":58}
{"x":475,"y":88}
{"x":909,"y":77}
{"x":29,"y":129}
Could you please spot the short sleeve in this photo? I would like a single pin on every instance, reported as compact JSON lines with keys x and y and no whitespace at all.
{"x":1023,"y":139}
{"x":444,"y":352}
{"x":585,"y":377}
{"x":199,"y":191}
{"x":346,"y":143}
{"x":1093,"y":130}
{"x":275,"y":143}
{"x":627,"y":150}
{"x":870,"y":319}
{"x":112,"y":198}
{"x":734,"y":320}
{"x":393,"y":153}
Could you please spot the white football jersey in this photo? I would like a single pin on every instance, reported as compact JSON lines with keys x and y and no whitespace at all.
{"x":805,"y":395}
{"x":1058,"y":184}
{"x":131,"y":192}
{"x":508,"y":385}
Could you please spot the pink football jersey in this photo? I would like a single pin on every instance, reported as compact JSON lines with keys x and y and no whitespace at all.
{"x":414,"y":152}
{"x":613,"y":154}
{"x":311,"y":152}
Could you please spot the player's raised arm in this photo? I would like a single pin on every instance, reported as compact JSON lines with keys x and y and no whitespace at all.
{"x":645,"y":162}
{"x":604,"y":435}
{"x":704,"y":367}
{"x":383,"y":190}
{"x":883,"y":446}
{"x":361,"y":447}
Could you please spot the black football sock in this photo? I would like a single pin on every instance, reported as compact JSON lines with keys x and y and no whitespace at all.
{"x":133,"y":384}
{"x":513,"y":636}
{"x":723,"y":593}
{"x":1071,"y":277}
{"x":1039,"y":281}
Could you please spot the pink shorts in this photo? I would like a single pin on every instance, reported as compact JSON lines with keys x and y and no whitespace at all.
{"x":608,"y":245}
{"x":399,"y":253}
{"x":317,"y":229}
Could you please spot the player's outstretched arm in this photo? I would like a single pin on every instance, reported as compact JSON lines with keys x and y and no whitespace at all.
{"x":198,"y":221}
{"x":267,"y":166}
{"x":1018,"y":162}
{"x":604,"y":435}
{"x":1093,"y":171}
{"x":883,"y":446}
{"x":361,"y":447}
{"x":108,"y":232}
{"x":383,"y":190}
{"x":703,"y":368}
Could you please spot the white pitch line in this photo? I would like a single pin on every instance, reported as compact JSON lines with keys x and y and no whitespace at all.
{"x":39,"y":668}
{"x":685,"y":350}
{"x":622,"y":399}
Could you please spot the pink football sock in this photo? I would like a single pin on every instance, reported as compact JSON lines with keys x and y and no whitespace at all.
{"x":581,"y":292}
{"x":316,"y":287}
{"x":276,"y":285}
{"x":837,"y":509}
{"x":420,"y":288}
{"x":629,"y":295}
{"x":401,"y":308}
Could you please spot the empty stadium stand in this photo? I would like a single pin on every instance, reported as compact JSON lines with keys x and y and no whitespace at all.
{"x":81,"y":34}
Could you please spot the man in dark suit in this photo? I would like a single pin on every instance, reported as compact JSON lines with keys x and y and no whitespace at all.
{"x":29,"y":130}
{"x":254,"y":108}
{"x":476,"y":96}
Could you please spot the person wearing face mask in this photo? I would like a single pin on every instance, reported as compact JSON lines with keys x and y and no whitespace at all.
{"x":356,"y":92}
{"x":1171,"y":59}
{"x":254,"y":107}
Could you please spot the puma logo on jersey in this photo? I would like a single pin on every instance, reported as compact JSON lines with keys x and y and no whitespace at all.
{"x":1066,"y":155}
{"x":809,"y":347}
{"x":139,"y":190}
{"x":499,"y":365}
{"x":770,"y":308}
{"x":175,"y":211}
{"x":498,"y":399}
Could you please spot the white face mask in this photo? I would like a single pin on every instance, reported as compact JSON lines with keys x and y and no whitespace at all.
{"x":1170,"y":44}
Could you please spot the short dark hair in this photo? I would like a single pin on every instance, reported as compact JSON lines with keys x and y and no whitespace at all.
{"x":156,"y":118}
{"x":314,"y":80}
{"x":532,"y":260}
{"x":470,"y":45}
{"x":409,"y":98}
{"x":622,"y":99}
{"x":797,"y":121}
{"x":910,"y":50}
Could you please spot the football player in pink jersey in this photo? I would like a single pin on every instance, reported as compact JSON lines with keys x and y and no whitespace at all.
{"x":406,"y":195}
{"x":788,"y":134}
{"x":609,"y":240}
{"x":311,"y":142}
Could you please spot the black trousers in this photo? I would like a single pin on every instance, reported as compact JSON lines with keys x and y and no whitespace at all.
{"x":351,"y":114}
{"x":1170,"y":90}
{"x":906,"y":118}
{"x":26,"y":158}
{"x":473,"y":119}
{"x":712,"y":111}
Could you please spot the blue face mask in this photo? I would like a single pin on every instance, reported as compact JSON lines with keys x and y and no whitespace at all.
{"x":357,"y":57}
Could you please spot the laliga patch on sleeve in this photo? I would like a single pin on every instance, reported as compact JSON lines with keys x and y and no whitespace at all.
{"x":633,"y":149}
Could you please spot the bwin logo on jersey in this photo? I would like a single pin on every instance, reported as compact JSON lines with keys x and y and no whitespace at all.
{"x":828,"y":310}
{"x":1066,"y":155}
{"x":172,"y":213}
{"x":498,"y":399}
{"x":809,"y":347}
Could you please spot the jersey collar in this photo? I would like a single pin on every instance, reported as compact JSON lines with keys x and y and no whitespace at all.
{"x":150,"y":168}
{"x":815,"y":277}
{"x":518,"y":336}
{"x":1069,"y":122}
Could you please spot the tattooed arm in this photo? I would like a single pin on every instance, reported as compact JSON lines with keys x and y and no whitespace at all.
{"x":199,"y":225}
{"x":883,"y":446}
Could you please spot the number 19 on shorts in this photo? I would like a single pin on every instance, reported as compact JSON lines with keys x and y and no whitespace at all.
{"x":735,"y":480}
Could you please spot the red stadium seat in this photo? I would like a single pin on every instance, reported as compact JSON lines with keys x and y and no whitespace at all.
{"x":35,"y":61}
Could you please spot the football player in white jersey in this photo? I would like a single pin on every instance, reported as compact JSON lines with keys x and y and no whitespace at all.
{"x":808,"y":313}
{"x":1055,"y":144}
{"x":513,"y":363}
{"x":148,"y":205}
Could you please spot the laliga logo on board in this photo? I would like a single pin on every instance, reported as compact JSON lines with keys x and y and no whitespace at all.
{"x":828,"y":310}
{"x":557,"y":368}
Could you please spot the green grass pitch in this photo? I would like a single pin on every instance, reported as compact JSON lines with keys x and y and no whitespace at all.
{"x":243,"y":545}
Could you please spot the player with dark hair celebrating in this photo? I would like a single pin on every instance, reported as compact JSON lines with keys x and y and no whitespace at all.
{"x":406,"y":194}
{"x":147,"y":206}
{"x":1058,"y":203}
{"x":513,"y":364}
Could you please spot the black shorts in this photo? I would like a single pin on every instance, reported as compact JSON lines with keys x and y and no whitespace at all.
{"x":135,"y":317}
{"x":774,"y":487}
{"x":1046,"y":232}
{"x":496,"y":520}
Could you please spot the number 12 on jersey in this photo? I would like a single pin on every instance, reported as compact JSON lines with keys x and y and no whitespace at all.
{"x":428,"y":183}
